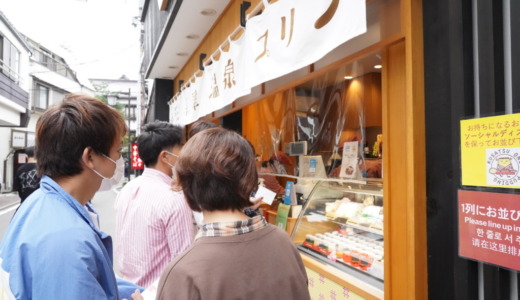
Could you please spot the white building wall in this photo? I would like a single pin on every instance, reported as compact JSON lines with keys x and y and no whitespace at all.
{"x":58,"y":84}
{"x":52,"y":80}
{"x":10,"y":111}
{"x":5,"y":137}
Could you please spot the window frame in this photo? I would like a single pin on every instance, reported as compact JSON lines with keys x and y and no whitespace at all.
{"x":10,"y":59}
{"x":37,"y":96}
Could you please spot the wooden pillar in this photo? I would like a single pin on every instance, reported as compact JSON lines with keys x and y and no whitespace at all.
{"x":404,"y":161}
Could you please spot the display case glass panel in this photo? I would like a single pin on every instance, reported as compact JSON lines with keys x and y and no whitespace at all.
{"x":341,"y":224}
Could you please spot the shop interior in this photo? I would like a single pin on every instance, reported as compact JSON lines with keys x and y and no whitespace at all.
{"x":343,"y":105}
{"x":300,"y":135}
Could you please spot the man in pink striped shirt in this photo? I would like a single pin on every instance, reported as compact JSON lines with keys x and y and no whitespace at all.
{"x":154,"y":224}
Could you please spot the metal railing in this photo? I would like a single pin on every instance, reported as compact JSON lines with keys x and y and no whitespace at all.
{"x":9,"y":72}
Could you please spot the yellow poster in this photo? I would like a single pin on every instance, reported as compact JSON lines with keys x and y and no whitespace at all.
{"x":490,"y":151}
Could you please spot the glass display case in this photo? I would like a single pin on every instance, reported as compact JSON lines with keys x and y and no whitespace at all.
{"x":341,"y":224}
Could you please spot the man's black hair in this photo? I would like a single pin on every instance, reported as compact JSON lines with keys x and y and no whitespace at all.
{"x":156,"y":137}
{"x":29,"y":151}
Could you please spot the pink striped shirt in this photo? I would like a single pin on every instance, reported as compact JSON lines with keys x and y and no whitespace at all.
{"x":153,"y":225}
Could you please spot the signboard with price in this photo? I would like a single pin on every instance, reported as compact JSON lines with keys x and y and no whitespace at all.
{"x":137,"y":163}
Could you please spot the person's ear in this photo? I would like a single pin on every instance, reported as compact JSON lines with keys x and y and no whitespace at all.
{"x":163,"y":157}
{"x":87,"y":157}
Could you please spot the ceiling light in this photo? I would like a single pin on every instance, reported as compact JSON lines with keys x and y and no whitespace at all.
{"x":192,"y":36}
{"x":182,"y":54}
{"x":378,"y":67}
{"x":208,"y":12}
{"x":348,"y":77}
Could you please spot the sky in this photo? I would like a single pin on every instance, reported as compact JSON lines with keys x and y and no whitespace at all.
{"x":95,"y":37}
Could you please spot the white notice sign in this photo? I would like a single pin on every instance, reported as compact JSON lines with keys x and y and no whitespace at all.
{"x":349,"y":162}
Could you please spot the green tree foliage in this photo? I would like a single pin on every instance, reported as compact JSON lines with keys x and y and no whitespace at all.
{"x":102,"y":93}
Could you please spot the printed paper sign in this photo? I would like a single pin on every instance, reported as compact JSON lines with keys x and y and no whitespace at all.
{"x":266,"y":194}
{"x":18,"y":139}
{"x":490,"y":151}
{"x":349,"y":162}
{"x":489,"y":228}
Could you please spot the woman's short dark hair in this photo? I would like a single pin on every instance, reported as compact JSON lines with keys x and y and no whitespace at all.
{"x":66,"y":129}
{"x":156,"y":137}
{"x":217,"y":171}
{"x":200,"y":126}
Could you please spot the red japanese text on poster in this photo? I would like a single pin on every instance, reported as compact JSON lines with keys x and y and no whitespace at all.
{"x":137,"y":163}
{"x":489,"y":228}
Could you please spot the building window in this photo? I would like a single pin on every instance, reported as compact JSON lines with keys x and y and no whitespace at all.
{"x":41,"y":97}
{"x":46,"y":59}
{"x":9,"y":59}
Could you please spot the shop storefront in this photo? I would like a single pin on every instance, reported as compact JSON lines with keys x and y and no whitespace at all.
{"x":346,"y":127}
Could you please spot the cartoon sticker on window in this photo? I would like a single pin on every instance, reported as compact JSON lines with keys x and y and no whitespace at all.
{"x":503,"y":165}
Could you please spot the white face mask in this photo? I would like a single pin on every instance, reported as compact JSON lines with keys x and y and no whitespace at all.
{"x":108,"y":183}
{"x":174,"y":174}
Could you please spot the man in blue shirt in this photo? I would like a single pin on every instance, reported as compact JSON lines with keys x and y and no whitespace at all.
{"x":53,"y":248}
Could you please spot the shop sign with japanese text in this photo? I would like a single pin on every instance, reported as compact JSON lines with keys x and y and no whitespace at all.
{"x":490,"y":151}
{"x":18,"y":139}
{"x":292,"y":34}
{"x":288,"y":35}
{"x":137,"y":163}
{"x":489,"y":228}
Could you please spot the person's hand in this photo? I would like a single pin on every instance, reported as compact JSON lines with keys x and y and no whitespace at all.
{"x":256,"y":202}
{"x":136,"y":296}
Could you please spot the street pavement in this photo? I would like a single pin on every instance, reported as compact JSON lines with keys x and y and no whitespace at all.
{"x":103,"y":203}
{"x":8,"y":204}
